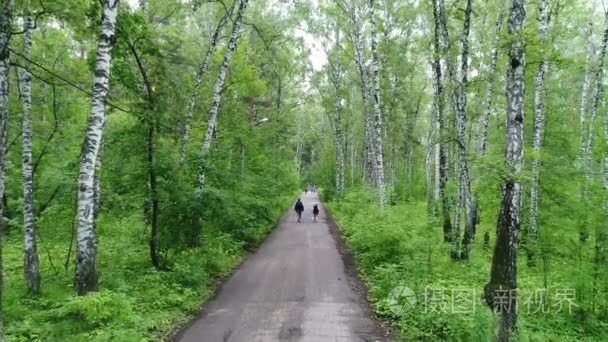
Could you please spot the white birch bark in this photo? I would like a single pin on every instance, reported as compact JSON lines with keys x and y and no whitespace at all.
{"x":487,"y":104}
{"x":595,"y":101}
{"x":335,"y":76}
{"x":378,"y":143}
{"x":442,"y":159}
{"x":503,"y":274}
{"x":538,"y":129}
{"x":5,"y":36}
{"x":217,"y":93}
{"x":31,"y":267}
{"x":367,"y":122}
{"x":198,"y":81}
{"x":86,"y":278}
{"x":585,"y":95}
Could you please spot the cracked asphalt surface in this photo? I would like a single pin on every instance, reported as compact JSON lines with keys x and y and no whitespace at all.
{"x":293,"y":288}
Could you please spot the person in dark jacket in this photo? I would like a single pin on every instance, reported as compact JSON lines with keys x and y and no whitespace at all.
{"x":315,"y":212}
{"x":299,"y":208}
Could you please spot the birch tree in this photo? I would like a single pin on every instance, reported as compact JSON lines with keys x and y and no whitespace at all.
{"x":503,"y":275}
{"x":487,"y":104}
{"x":86,"y":278}
{"x":198,"y":81}
{"x":461,"y":123}
{"x":335,"y":77}
{"x":378,"y":145}
{"x":368,"y":141}
{"x":5,"y":37}
{"x":538,"y":129}
{"x":217,"y":93}
{"x":439,"y":106}
{"x":31,"y":266}
{"x":595,"y":103}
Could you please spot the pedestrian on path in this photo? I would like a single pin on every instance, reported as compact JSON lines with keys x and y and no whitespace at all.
{"x":315,"y":212}
{"x":299,"y":208}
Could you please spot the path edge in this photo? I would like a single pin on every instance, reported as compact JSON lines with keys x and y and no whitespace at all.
{"x":174,"y":334}
{"x":355,"y":281}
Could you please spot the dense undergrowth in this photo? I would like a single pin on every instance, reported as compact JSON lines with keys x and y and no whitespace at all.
{"x":136,"y":302}
{"x":397,"y":247}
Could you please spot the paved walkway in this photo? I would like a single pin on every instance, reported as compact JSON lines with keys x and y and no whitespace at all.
{"x":294,"y":288}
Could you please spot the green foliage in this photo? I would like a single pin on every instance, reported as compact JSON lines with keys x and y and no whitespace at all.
{"x":397,"y":247}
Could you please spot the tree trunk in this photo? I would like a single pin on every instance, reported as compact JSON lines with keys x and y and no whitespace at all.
{"x":198,"y":80}
{"x":537,"y":135}
{"x":487,"y":104}
{"x":468,"y":200}
{"x":5,"y":36}
{"x":439,"y":107}
{"x":503,"y":276}
{"x":595,"y":103}
{"x":217,"y":93}
{"x":368,"y":142}
{"x":584,"y":99}
{"x":378,"y":143}
{"x":31,"y":267}
{"x":86,"y":278}
{"x":601,"y":243}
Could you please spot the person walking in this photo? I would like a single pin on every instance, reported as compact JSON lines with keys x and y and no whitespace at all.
{"x":299,"y":208}
{"x":315,"y":212}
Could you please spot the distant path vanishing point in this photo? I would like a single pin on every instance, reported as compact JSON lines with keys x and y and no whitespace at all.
{"x":293,"y":288}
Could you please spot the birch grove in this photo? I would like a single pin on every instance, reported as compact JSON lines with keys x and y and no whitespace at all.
{"x":123,"y":201}
{"x":86,"y":278}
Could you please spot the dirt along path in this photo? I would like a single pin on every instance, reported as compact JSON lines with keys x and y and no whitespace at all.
{"x":293,"y":288}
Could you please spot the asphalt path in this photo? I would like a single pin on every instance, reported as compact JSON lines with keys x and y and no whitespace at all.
{"x":293,"y":288}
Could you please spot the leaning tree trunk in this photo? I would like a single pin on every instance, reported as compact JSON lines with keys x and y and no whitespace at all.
{"x":503,"y":276}
{"x":595,"y":103}
{"x":378,"y":144}
{"x":537,"y":135}
{"x":367,"y":122}
{"x":198,"y":81}
{"x":440,"y":108}
{"x":5,"y":36}
{"x":487,"y":104}
{"x":86,"y":278}
{"x":31,"y":267}
{"x":217,"y":94}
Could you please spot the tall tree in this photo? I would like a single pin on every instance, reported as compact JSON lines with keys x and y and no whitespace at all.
{"x":503,"y":276}
{"x":378,"y":132}
{"x":487,"y":104}
{"x":219,"y":87}
{"x":368,"y":140}
{"x":6,"y":12}
{"x":595,"y":104}
{"x":31,"y":266}
{"x":198,"y":81}
{"x":86,"y":278}
{"x":439,"y":104}
{"x":336,"y":78}
{"x":461,"y":124}
{"x":538,"y":129}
